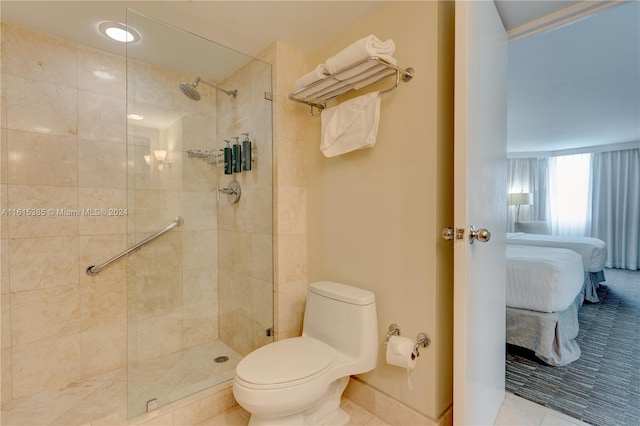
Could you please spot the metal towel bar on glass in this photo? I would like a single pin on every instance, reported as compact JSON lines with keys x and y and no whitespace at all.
{"x":95,"y":270}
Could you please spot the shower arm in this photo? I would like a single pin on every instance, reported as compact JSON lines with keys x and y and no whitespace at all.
{"x":233,"y":93}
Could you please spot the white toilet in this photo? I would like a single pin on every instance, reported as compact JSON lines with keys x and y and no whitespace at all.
{"x":299,"y":381}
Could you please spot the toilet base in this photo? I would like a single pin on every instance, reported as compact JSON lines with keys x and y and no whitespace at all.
{"x":326,"y":412}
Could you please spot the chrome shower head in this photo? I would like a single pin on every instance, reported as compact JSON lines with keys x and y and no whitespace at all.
{"x":189,"y":89}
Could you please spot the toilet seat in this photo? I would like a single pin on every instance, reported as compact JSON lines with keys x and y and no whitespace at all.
{"x":289,"y":360}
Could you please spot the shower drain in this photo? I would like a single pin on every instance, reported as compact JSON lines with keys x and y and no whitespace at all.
{"x":220,"y":359}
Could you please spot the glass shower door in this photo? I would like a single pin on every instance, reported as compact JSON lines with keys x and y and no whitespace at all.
{"x":201,"y":295}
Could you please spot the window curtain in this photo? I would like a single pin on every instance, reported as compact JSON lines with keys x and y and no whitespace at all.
{"x":615,"y":205}
{"x":569,"y":178}
{"x":528,"y":175}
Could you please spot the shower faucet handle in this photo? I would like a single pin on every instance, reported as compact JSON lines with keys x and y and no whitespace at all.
{"x":233,"y":192}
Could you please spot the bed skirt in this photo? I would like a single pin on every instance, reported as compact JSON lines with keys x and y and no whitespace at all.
{"x":550,"y":335}
{"x":592,"y":281}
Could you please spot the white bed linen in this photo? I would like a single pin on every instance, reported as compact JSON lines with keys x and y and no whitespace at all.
{"x":592,"y":250}
{"x":543,"y":279}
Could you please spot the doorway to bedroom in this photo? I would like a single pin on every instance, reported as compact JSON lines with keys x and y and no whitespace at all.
{"x":573,"y":104}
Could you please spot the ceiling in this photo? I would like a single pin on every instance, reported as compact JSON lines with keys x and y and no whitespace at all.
{"x":577,"y":85}
{"x":573,"y":84}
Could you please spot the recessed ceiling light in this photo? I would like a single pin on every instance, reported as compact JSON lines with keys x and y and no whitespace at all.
{"x":134,"y":117}
{"x":118,"y":32}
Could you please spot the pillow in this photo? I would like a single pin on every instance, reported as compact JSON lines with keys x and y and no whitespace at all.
{"x":532,"y":227}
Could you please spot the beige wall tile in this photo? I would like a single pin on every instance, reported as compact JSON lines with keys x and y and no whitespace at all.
{"x":5,"y":286}
{"x":3,"y":142}
{"x":199,"y":324}
{"x":7,"y":376}
{"x":4,"y":219}
{"x":44,"y":160}
{"x":162,"y":255}
{"x":103,"y":304}
{"x":200,"y":210}
{"x":39,"y":263}
{"x":40,"y":107}
{"x":292,"y":170}
{"x":101,"y":117}
{"x":157,"y":294}
{"x":199,"y":249}
{"x":292,"y":258}
{"x":103,"y":348}
{"x":44,"y":313}
{"x":292,"y":217}
{"x":37,"y":56}
{"x":45,"y":364}
{"x":153,"y":210}
{"x":5,"y":325}
{"x":200,"y":286}
{"x":112,"y":204}
{"x":102,"y":164}
{"x":200,"y":176}
{"x":59,"y":205}
{"x":199,"y":131}
{"x":101,"y":72}
{"x":158,"y":335}
{"x":96,"y":249}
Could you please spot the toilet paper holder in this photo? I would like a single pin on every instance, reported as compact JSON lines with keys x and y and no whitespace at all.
{"x":394,"y":330}
{"x":422,"y":339}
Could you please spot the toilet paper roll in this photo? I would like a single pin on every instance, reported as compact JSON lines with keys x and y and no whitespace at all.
{"x":399,"y":352}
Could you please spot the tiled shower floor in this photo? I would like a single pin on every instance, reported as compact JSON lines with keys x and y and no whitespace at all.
{"x":103,"y":399}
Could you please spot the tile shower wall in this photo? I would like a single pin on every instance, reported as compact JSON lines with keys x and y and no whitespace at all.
{"x":172,"y":283}
{"x":64,"y":147}
{"x":245,"y":237}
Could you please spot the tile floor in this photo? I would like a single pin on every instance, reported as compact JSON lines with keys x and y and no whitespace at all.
{"x":101,"y":397}
{"x":515,"y":411}
{"x":91,"y":400}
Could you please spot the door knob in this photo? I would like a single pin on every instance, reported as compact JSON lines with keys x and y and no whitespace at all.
{"x":482,"y":235}
{"x":448,"y":233}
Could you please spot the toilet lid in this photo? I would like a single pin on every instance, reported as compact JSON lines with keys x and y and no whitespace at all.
{"x":285,"y":361}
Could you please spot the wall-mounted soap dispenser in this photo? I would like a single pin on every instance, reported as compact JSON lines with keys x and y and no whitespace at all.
{"x":228,"y":159}
{"x":237,"y":155}
{"x":246,"y":152}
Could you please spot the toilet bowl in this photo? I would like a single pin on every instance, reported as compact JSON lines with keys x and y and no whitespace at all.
{"x":300,"y":381}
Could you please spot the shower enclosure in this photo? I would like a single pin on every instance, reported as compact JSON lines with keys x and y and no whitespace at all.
{"x":174,"y":316}
{"x":201,"y":296}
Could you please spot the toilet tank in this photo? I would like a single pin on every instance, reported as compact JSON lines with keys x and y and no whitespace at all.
{"x":343,"y":317}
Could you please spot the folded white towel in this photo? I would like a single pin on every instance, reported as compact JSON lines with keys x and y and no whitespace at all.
{"x":351,"y":125}
{"x":363,"y":48}
{"x":318,"y":73}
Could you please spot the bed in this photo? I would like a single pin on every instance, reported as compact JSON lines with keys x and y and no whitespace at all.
{"x":592,"y":250}
{"x":543,"y":295}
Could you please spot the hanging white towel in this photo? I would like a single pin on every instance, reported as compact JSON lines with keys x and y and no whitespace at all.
{"x":351,"y":125}
{"x":363,"y":48}
{"x":318,"y":73}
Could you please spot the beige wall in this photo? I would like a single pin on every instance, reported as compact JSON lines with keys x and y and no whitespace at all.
{"x":375,"y":215}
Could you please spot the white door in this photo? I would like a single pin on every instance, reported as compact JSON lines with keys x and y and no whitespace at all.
{"x":480,"y":200}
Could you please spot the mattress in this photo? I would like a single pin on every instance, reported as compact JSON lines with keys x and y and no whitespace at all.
{"x":543,"y":279}
{"x":592,"y":250}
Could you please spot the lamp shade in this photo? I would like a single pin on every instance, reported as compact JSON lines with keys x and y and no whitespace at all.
{"x":520,"y":198}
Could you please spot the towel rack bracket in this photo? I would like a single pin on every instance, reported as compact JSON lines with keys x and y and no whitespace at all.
{"x":408,"y":74}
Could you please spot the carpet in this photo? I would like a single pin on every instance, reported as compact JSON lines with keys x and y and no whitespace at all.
{"x":601,"y":388}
